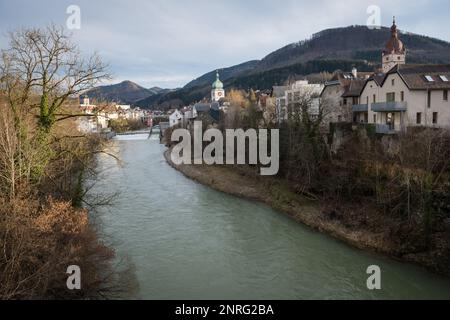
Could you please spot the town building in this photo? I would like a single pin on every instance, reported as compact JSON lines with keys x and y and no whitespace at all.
{"x":404,"y":95}
{"x":289,"y":96}
{"x":217,"y":91}
{"x":207,"y":111}
{"x":341,"y":93}
{"x":176,"y":118}
{"x":96,"y":119}
{"x":396,"y":97}
{"x":408,"y":95}
{"x":279,"y":98}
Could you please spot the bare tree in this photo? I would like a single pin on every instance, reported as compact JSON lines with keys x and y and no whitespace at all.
{"x":40,"y":72}
{"x":45,"y":62}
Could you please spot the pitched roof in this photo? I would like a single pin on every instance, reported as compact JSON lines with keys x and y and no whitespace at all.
{"x":415,"y":76}
{"x":215,"y":106}
{"x":215,"y":114}
{"x":354,"y":88}
{"x":202,"y":107}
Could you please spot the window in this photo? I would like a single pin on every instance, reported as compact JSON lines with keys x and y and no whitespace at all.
{"x":445,"y":95}
{"x":429,"y":99}
{"x":345,"y":101}
{"x":367,"y":100}
{"x":419,"y":118}
{"x":374,"y":99}
{"x":429,"y":78}
{"x":402,"y":96}
{"x":390,"y":97}
{"x":435,"y":117}
{"x":393,"y":82}
{"x":339,"y":118}
{"x":443,"y":78}
{"x":374,"y":118}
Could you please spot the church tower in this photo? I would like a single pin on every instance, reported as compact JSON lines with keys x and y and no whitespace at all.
{"x":395,"y":52}
{"x":217,"y":91}
{"x":86,"y":101}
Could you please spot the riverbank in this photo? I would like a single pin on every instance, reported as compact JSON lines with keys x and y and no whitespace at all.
{"x":246,"y":183}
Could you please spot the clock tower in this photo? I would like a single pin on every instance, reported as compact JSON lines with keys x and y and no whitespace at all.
{"x":217,"y":91}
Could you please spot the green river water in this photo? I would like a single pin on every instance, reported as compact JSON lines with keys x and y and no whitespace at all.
{"x":187,"y":241}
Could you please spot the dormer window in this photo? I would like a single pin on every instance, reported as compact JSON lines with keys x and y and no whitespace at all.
{"x":443,"y":78}
{"x":429,"y":78}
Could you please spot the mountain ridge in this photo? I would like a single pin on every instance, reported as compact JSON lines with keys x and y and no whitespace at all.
{"x":126,"y":92}
{"x":326,"y":51}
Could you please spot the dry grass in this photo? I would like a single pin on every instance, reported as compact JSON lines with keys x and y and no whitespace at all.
{"x":39,"y":241}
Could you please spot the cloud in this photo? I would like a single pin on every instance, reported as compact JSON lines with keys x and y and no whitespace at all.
{"x":169,"y":42}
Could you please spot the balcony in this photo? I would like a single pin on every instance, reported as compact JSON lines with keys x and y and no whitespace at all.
{"x":389,"y":106}
{"x":360,"y":108}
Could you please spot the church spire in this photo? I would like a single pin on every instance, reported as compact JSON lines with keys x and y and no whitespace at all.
{"x":394,"y":30}
{"x":395,"y":52}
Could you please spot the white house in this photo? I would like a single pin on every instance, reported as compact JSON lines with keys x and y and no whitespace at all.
{"x":123,"y":107}
{"x":397,"y":97}
{"x":294,"y":93}
{"x":408,"y":95}
{"x":175,"y":118}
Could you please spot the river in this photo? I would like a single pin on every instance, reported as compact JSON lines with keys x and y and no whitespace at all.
{"x":187,"y":241}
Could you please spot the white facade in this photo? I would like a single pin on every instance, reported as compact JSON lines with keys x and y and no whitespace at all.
{"x":217,"y":94}
{"x":175,"y":118}
{"x":97,"y":119}
{"x":123,"y":107}
{"x":295,"y":93}
{"x":394,"y":106}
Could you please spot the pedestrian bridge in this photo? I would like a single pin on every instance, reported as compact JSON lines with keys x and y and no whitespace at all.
{"x":139,"y":135}
{"x":133,"y":133}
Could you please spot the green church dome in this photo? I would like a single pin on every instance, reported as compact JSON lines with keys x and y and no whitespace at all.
{"x":217,"y":84}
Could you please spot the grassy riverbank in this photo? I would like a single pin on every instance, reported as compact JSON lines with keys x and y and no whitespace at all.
{"x":356,"y":226}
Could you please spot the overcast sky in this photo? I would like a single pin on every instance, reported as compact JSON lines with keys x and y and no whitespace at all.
{"x":167,"y":43}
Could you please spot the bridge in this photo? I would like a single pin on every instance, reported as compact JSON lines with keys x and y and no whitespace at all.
{"x":152,"y":131}
{"x":132,"y":133}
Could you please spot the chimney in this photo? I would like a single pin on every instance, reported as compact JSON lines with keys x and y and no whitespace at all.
{"x":355,"y":72}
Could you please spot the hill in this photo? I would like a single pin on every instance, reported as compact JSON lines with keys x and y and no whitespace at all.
{"x":196,"y":89}
{"x":225,"y":74}
{"x":355,"y":43}
{"x":126,"y":92}
{"x":326,"y":51}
